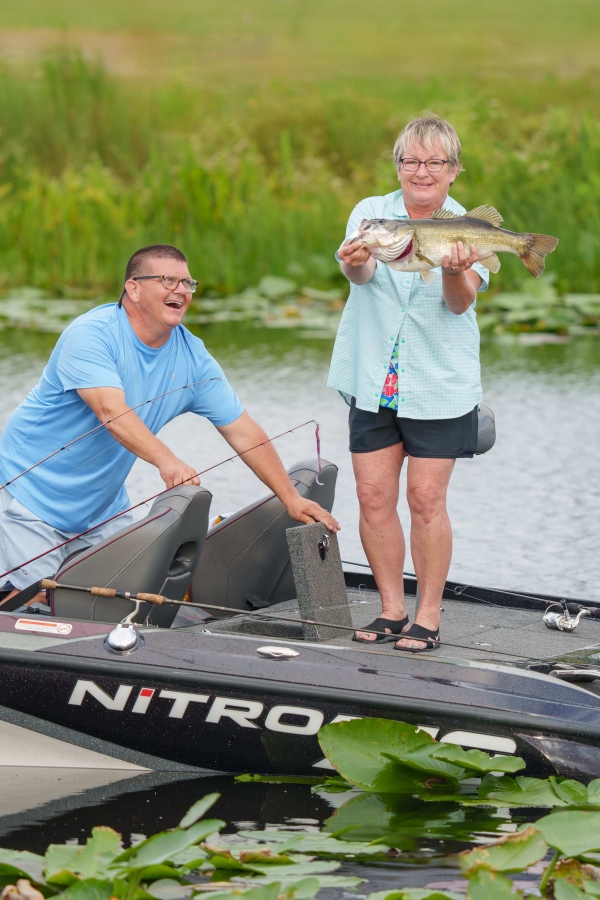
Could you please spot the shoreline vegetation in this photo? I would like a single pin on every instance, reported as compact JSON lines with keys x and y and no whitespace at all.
{"x":248,"y":141}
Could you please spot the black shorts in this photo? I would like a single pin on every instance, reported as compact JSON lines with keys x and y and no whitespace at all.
{"x":424,"y":438}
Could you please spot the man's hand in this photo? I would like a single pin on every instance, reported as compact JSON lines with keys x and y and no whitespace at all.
{"x":174,"y":471}
{"x":248,"y":439}
{"x":308,"y":512}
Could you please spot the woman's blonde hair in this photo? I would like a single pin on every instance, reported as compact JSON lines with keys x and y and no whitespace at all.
{"x":426,"y":130}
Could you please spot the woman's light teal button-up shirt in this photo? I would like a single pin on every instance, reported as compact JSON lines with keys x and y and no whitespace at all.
{"x":438,"y":351}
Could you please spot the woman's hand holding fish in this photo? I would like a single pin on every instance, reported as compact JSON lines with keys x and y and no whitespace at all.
{"x":357,"y":263}
{"x":459,"y":293}
{"x":459,"y":260}
{"x":353,"y":254}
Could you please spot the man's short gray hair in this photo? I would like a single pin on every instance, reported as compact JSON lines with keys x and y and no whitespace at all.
{"x":426,"y":129}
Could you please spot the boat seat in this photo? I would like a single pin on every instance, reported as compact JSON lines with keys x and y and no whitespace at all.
{"x":245,"y":562}
{"x":157,"y":554}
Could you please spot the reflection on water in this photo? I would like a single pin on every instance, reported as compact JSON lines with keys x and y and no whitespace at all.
{"x":66,"y":809}
{"x":524,"y":516}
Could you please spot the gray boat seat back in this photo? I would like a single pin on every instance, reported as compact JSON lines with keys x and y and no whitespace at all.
{"x":245,"y":563}
{"x":486,"y":431}
{"x":158,"y":555}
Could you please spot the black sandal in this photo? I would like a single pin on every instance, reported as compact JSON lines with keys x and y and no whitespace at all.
{"x":431,"y":639}
{"x":380,"y":625}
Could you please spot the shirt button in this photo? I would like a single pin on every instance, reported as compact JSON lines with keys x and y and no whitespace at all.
{"x":402,"y":309}
{"x":402,"y":341}
{"x":402,"y":398}
{"x":403,"y":370}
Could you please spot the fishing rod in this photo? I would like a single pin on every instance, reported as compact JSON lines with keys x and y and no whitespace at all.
{"x":161,"y":600}
{"x":164,"y":491}
{"x":105,"y":424}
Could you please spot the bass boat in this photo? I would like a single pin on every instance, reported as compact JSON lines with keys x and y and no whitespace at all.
{"x":224,"y":673}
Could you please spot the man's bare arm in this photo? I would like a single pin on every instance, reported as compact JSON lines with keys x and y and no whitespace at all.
{"x":266,"y":465}
{"x":109,"y":403}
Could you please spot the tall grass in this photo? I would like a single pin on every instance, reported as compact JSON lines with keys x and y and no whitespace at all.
{"x":255,"y":180}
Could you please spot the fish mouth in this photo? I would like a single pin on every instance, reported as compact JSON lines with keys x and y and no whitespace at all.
{"x":407,"y":250}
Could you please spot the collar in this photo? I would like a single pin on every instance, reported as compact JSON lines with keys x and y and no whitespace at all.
{"x":399,"y":207}
{"x":400,"y":212}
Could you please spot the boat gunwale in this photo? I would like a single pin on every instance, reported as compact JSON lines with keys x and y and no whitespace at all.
{"x":518,"y":721}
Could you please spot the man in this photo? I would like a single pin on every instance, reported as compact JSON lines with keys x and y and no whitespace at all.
{"x":407,"y":354}
{"x":107,"y":361}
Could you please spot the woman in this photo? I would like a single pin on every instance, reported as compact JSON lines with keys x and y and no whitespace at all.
{"x":407,"y":354}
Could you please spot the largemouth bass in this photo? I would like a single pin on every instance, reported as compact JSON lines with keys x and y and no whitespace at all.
{"x":419,"y":245}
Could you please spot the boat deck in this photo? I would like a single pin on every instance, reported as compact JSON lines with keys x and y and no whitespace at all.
{"x":469,"y":630}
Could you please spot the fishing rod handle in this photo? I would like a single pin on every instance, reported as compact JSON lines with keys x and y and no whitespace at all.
{"x":151,"y":598}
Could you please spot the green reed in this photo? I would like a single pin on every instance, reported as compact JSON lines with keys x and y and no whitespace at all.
{"x":259,"y":179}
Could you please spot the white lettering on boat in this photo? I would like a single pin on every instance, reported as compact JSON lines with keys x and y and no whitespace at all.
{"x":143,"y":700}
{"x":314,"y":716}
{"x":182,"y":701}
{"x":491,"y":742}
{"x":88,"y":687}
{"x":241,"y":711}
{"x":245,"y":712}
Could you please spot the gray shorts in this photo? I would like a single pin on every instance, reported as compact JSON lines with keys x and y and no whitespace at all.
{"x":24,"y":536}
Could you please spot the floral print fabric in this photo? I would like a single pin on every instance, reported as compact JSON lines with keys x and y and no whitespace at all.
{"x":389,"y":394}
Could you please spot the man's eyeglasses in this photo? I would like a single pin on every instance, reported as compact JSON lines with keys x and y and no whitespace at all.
{"x":432,"y":165}
{"x":171,"y":282}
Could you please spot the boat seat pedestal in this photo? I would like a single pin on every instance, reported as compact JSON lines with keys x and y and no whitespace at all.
{"x":319,"y":579}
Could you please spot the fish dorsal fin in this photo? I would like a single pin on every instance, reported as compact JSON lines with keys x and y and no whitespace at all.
{"x":487,"y":213}
{"x":445,"y":214}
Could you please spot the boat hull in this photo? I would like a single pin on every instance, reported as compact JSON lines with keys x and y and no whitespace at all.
{"x":200,"y":701}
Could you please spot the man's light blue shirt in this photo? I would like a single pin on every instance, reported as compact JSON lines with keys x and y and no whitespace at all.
{"x":84,"y":484}
{"x":438,"y":351}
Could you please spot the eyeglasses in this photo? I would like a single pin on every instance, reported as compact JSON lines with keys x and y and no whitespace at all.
{"x":432,"y":165}
{"x":171,"y":282}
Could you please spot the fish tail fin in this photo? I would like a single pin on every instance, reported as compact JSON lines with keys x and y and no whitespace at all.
{"x":536,"y":249}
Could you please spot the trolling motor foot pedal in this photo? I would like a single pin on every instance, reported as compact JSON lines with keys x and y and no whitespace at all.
{"x":319,"y":580}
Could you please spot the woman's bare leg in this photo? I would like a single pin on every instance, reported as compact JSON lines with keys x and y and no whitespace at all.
{"x":377,"y":477}
{"x":430,"y":537}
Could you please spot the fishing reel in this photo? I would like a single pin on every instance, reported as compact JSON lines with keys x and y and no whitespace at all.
{"x":563,"y":620}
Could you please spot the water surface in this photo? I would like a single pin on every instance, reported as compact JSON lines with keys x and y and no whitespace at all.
{"x":525,"y":515}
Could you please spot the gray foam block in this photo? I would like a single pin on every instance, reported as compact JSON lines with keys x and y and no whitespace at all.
{"x":319,"y":579}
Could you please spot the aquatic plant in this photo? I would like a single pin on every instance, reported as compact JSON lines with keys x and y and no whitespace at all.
{"x":259,"y":180}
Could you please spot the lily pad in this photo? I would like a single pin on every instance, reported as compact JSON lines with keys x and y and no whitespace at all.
{"x":573,"y":792}
{"x":196,"y":811}
{"x":520,"y":791}
{"x":65,"y":862}
{"x":415,"y":894}
{"x":422,"y":760}
{"x":477,"y":760}
{"x":511,"y":853}
{"x":491,"y":886}
{"x":166,"y":846}
{"x":90,"y":889}
{"x":572,"y":832}
{"x":360,"y":751}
